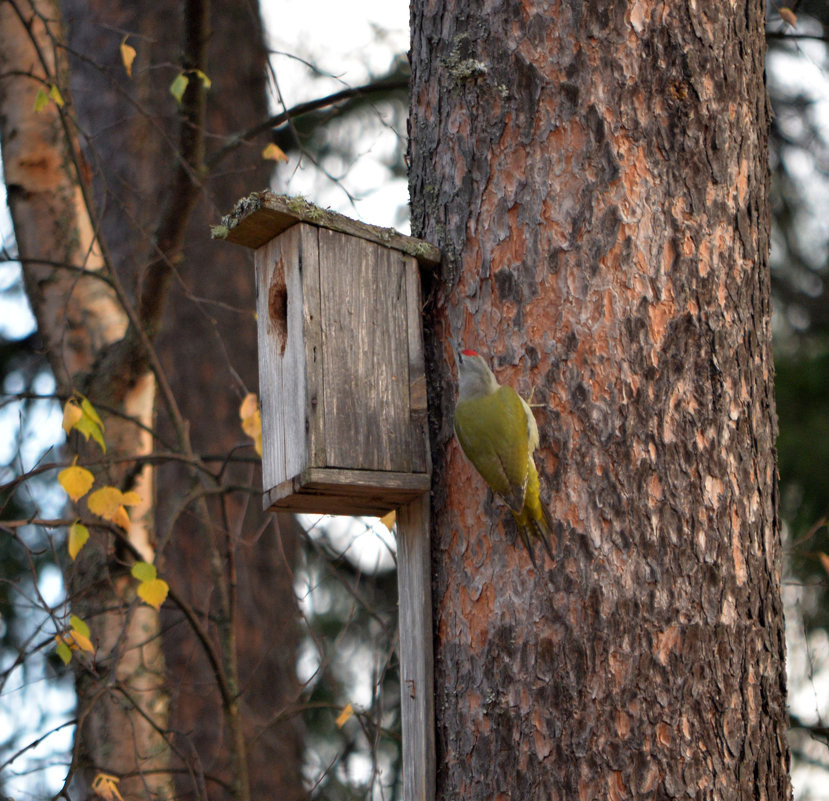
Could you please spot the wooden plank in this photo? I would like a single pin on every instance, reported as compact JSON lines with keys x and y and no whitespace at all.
{"x":416,"y":662}
{"x":282,"y":358}
{"x":270,"y":371}
{"x":294,"y":250}
{"x":419,"y":427}
{"x":312,"y":322}
{"x":354,"y":492}
{"x":365,"y":355}
{"x":260,"y":216}
{"x":351,"y":505}
{"x":354,"y":479}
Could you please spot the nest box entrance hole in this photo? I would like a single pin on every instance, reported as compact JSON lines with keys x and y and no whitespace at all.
{"x":278,"y":305}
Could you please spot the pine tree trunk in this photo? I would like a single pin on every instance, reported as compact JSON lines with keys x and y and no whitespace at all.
{"x":596,"y":176}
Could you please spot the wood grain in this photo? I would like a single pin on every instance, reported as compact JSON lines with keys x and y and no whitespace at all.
{"x":365,"y":355}
{"x":418,"y":407}
{"x":417,"y":702}
{"x":342,"y":373}
{"x":282,"y":364}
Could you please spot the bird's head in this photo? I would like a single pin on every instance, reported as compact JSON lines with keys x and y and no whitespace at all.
{"x":475,"y":378}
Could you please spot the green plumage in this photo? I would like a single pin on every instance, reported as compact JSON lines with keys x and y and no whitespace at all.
{"x":498,"y":434}
{"x":500,"y":450}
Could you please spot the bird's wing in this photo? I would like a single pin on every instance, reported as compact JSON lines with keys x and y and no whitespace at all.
{"x":532,"y":426}
{"x":495,"y":430}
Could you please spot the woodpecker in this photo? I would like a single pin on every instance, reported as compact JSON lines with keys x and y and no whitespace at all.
{"x":498,"y":433}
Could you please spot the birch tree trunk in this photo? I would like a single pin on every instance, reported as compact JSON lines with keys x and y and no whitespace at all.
{"x":79,"y":315}
{"x":596,"y":175}
{"x":196,"y":301}
{"x":207,"y":345}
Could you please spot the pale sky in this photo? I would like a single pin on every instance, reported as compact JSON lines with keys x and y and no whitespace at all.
{"x":351,"y":42}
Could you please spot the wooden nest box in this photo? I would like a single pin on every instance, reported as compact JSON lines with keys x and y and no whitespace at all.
{"x":341,"y":365}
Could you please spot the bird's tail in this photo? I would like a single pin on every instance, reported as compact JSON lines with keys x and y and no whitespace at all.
{"x":534,"y":521}
{"x":531,"y":529}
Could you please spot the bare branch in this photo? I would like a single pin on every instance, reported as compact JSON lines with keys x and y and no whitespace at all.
{"x":374,"y":87}
{"x":185,"y":185}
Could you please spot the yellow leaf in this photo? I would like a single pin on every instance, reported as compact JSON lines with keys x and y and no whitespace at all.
{"x":55,"y":94}
{"x":76,"y":481}
{"x":78,"y":535}
{"x":824,"y":560}
{"x":127,"y":56}
{"x":204,"y":79}
{"x":71,"y":414}
{"x":344,"y":716}
{"x":153,"y":592}
{"x":143,"y":571}
{"x":106,"y":786}
{"x":273,"y":152}
{"x":105,"y":501}
{"x":179,"y":86}
{"x":249,"y":407}
{"x":41,"y":100}
{"x":130,"y":498}
{"x":121,"y":518}
{"x":388,"y":520}
{"x":76,"y":639}
{"x":788,"y":16}
{"x":251,"y":419}
{"x":108,"y":502}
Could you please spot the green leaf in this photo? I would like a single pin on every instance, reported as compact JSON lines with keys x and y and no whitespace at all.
{"x":144,"y":571}
{"x":41,"y":100}
{"x":90,"y":423}
{"x":179,"y":86}
{"x":76,"y":623}
{"x":90,"y":411}
{"x":89,"y":428}
{"x":64,"y":653}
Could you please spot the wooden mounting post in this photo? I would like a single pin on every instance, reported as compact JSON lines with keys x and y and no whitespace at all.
{"x":343,"y":399}
{"x":417,"y":691}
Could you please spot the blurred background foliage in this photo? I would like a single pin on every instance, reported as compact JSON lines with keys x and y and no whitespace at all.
{"x":351,"y":155}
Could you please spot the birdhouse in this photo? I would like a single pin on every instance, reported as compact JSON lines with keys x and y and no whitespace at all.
{"x":341,"y":364}
{"x":343,"y":400}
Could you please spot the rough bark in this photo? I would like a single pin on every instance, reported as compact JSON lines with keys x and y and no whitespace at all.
{"x":208,"y":348}
{"x":596,"y":176}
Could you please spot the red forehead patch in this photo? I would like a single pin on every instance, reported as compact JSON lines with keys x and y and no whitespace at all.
{"x":469,"y":352}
